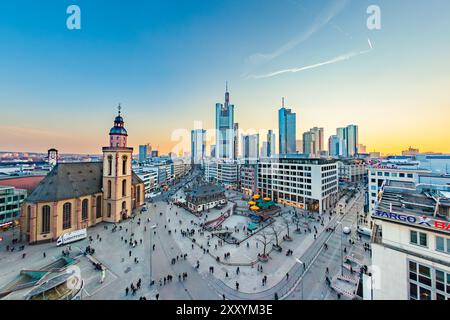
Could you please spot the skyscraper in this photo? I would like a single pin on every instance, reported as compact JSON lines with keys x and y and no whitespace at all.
{"x":335,"y":145}
{"x":313,"y":142}
{"x":270,"y":143}
{"x":144,"y":152}
{"x":352,"y":140}
{"x":236,"y":141}
{"x":349,"y":135}
{"x":198,"y":146}
{"x":250,"y":147}
{"x":225,"y":128}
{"x":308,"y":143}
{"x":342,"y":134}
{"x":287,"y":130}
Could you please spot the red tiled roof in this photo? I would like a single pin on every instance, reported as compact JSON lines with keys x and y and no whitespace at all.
{"x":28,"y":183}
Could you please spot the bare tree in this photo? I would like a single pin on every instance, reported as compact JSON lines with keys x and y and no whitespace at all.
{"x":263,"y":238}
{"x":276,"y":233}
{"x":287,"y":223}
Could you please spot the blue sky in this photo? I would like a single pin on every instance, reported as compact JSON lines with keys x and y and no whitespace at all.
{"x":167,"y":61}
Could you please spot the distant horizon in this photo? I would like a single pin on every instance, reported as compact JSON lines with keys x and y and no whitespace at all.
{"x":167,"y":62}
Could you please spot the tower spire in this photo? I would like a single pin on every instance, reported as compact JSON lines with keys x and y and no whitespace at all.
{"x":119,"y":108}
{"x":282,"y":102}
{"x":227,"y":95}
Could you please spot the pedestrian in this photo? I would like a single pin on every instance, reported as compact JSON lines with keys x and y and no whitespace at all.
{"x":129,"y":253}
{"x":44,"y":255}
{"x":287,"y":276}
{"x":157,"y":296}
{"x":237,"y":270}
{"x":126,"y":291}
{"x":237,"y":286}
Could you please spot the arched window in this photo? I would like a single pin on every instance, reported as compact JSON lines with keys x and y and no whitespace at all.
{"x":28,"y":218}
{"x":45,"y":219}
{"x":124,"y":188}
{"x":124,"y":165}
{"x":124,"y":205}
{"x":98,"y":213}
{"x":84,"y":209}
{"x":109,"y":189}
{"x":109,"y":210}
{"x":109,"y":165}
{"x":67,"y":215}
{"x":138,"y":194}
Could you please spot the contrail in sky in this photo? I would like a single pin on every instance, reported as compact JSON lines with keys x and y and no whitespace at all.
{"x":321,"y":21}
{"x":340,"y":58}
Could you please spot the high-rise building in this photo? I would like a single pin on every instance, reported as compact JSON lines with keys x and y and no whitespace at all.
{"x":308,"y":143}
{"x":299,"y":146}
{"x":144,"y":152}
{"x":225,"y":129}
{"x":213,"y":151}
{"x":342,"y":134}
{"x":270,"y":143}
{"x":198,"y":146}
{"x":352,"y":140}
{"x":349,"y":135}
{"x":250,"y":147}
{"x":335,"y":146}
{"x":287,"y":130}
{"x":313,"y":142}
{"x":236,"y":141}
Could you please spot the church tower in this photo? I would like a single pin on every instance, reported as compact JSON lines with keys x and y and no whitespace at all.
{"x":117,"y":174}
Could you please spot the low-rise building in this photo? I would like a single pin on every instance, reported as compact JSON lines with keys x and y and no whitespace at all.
{"x":10,"y":202}
{"x":248,"y":178}
{"x":204,"y":197}
{"x":352,"y":170}
{"x":300,"y":182}
{"x":224,"y":172}
{"x":410,"y":244}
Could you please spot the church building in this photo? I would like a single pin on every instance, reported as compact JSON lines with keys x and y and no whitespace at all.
{"x":79,"y":195}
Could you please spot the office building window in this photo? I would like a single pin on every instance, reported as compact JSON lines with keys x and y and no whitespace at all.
{"x":418,"y":238}
{"x":443,"y":244}
{"x":426,"y":283}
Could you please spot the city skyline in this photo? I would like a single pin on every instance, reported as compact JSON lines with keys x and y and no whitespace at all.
{"x":396,"y":92}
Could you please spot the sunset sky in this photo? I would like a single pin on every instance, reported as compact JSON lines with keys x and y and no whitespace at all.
{"x":166,"y":62}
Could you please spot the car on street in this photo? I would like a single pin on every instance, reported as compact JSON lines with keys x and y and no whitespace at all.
{"x":346,"y":230}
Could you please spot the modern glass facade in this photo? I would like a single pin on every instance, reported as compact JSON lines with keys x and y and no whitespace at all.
{"x":287,"y":131}
{"x":198,"y":146}
{"x":225,"y":137}
{"x":10,"y":201}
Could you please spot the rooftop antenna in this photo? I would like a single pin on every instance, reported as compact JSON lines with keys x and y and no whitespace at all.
{"x":282,"y":102}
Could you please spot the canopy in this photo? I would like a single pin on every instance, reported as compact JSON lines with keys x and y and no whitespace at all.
{"x":254,"y":208}
{"x":252,"y":203}
{"x":266,"y":199}
{"x":256,"y":196}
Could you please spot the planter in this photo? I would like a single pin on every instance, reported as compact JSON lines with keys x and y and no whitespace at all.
{"x":286,"y":238}
{"x":263,"y":258}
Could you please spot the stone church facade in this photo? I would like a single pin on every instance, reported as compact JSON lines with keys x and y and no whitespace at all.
{"x":74,"y":196}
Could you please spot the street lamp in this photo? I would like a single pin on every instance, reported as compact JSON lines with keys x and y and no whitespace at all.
{"x":151,"y":250}
{"x":301,"y":281}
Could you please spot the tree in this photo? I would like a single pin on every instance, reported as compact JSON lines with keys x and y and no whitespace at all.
{"x":276,"y":234}
{"x":262,"y":238}
{"x":287,"y":222}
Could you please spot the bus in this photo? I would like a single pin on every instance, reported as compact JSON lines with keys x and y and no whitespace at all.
{"x":71,"y":237}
